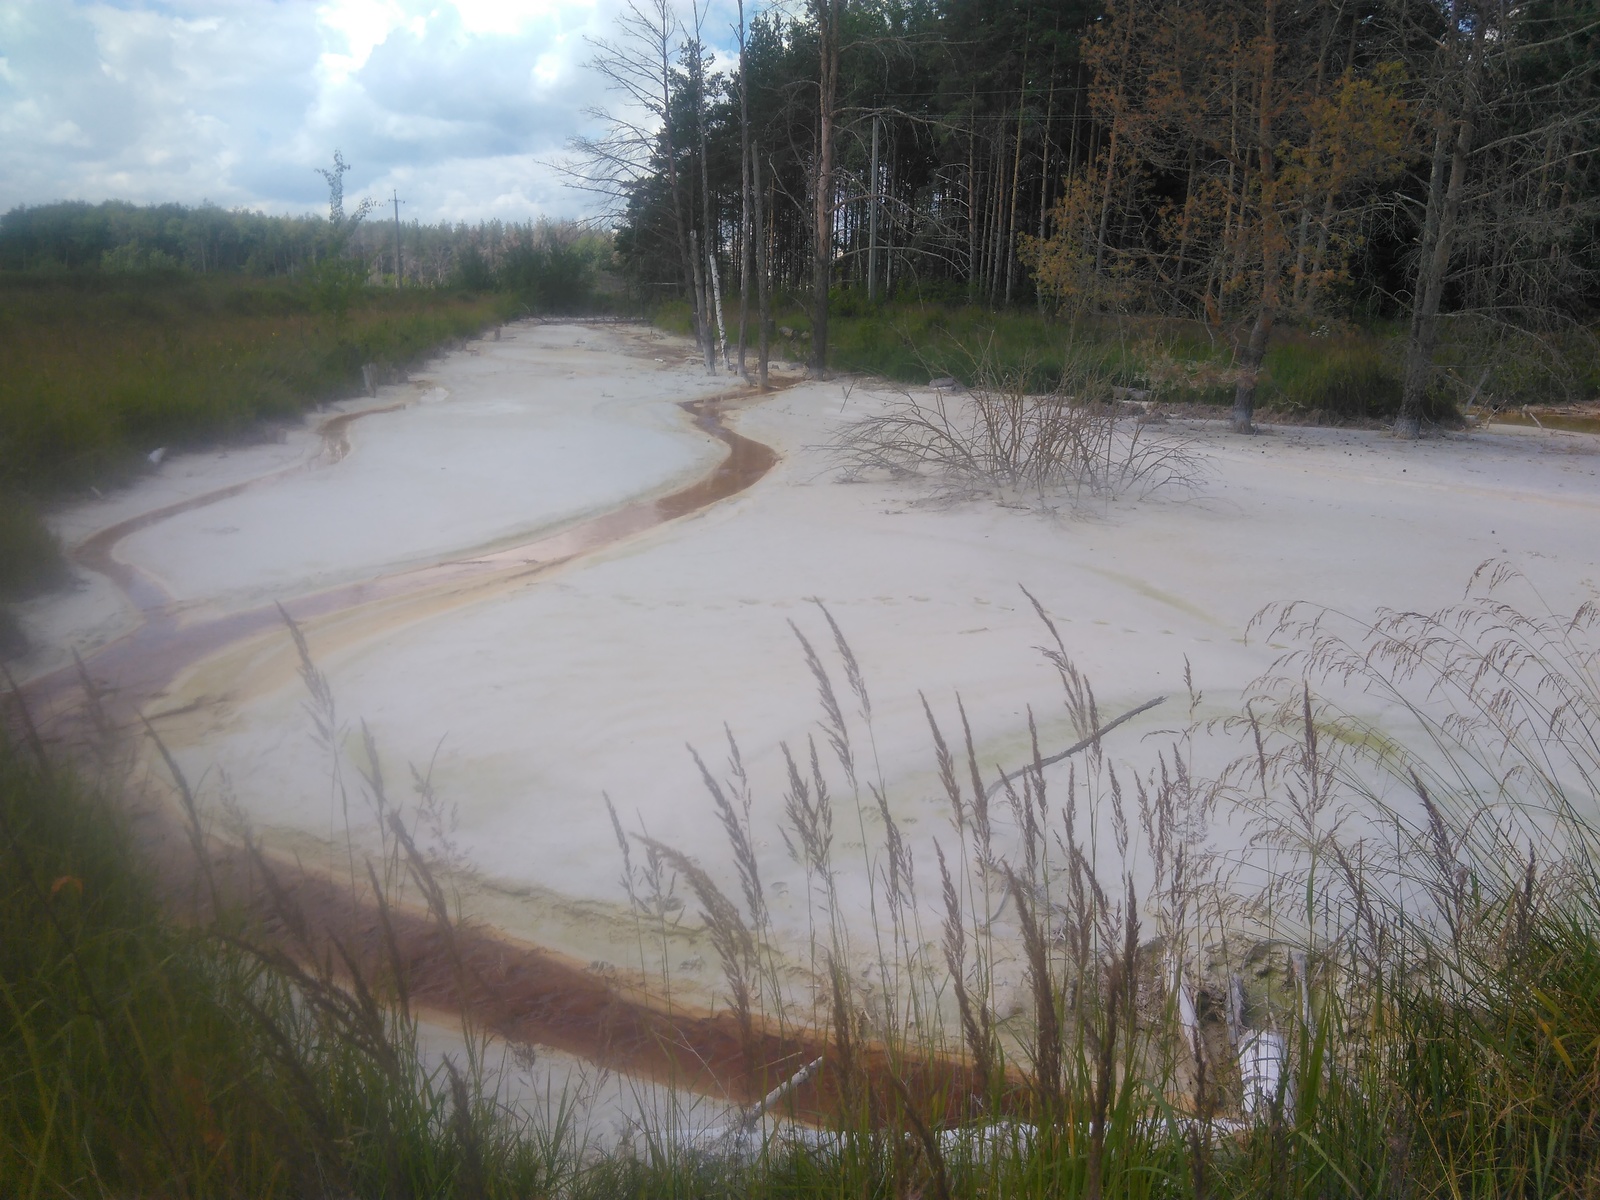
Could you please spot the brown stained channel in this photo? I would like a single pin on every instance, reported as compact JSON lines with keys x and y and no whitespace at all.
{"x":141,"y":665}
{"x":97,"y":552}
{"x":527,"y":994}
{"x":515,"y":990}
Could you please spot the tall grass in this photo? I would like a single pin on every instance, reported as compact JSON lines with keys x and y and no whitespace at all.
{"x":1411,"y":941}
{"x":101,"y":368}
{"x":1333,"y":376}
{"x":216,"y":1055}
{"x":1389,"y":987}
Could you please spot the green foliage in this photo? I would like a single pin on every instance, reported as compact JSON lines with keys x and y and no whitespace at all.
{"x":1440,"y":1021}
{"x":550,"y":267}
{"x":1348,"y":378}
{"x":473,"y":273}
{"x":30,"y":556}
{"x":118,"y":236}
{"x":555,"y":273}
{"x":335,"y":283}
{"x":133,"y":257}
{"x":1085,"y":157}
{"x":675,"y":316}
{"x":913,"y":343}
{"x":142,"y":1057}
{"x":102,"y":369}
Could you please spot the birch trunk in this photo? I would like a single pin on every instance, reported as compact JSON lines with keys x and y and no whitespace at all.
{"x":669,"y":148}
{"x":872,"y":222}
{"x":705,"y":208}
{"x":822,"y":251}
{"x":746,"y":250}
{"x":716,"y":298}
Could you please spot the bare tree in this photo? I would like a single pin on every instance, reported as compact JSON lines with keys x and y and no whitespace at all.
{"x":746,"y":250}
{"x":763,"y":268}
{"x":637,"y":65}
{"x":1271,"y":231}
{"x":1511,"y":106}
{"x":341,"y":223}
{"x":829,"y":17}
{"x":711,"y":288}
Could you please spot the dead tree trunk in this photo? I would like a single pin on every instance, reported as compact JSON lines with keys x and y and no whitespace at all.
{"x":872,"y":221}
{"x":661,"y":32}
{"x":1044,"y":171}
{"x":828,"y":30}
{"x":698,"y":82}
{"x":746,"y":250}
{"x":1113,"y":145}
{"x":763,"y":297}
{"x":1244,"y":396}
{"x":1438,"y":240}
{"x":1016,"y":188}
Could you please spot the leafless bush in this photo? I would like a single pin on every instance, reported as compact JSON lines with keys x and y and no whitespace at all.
{"x":999,"y":436}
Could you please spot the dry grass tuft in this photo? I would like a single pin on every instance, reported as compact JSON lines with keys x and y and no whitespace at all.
{"x":1077,"y":443}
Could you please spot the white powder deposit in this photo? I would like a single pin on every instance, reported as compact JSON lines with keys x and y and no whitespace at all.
{"x":527,"y":702}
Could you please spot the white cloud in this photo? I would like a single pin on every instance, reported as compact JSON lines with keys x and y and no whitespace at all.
{"x":458,"y":105}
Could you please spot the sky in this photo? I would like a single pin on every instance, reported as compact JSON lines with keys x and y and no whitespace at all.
{"x":462,"y":106}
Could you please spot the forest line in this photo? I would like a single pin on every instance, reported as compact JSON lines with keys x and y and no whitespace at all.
{"x":1245,"y":165}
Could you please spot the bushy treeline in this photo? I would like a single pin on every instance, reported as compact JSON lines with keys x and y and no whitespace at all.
{"x":551,"y":266}
{"x":119,"y":236}
{"x":1293,"y":162}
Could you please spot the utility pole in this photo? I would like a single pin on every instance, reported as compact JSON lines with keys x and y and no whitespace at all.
{"x":872,"y":221}
{"x":397,"y":271}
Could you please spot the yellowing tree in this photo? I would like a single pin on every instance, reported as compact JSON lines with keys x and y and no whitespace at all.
{"x":1239,"y":141}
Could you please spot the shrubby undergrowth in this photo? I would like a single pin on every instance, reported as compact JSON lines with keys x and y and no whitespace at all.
{"x":1338,"y":374}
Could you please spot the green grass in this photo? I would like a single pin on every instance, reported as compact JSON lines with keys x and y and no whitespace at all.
{"x":30,"y":556}
{"x":143,"y":1057}
{"x":102,"y":369}
{"x":1334,"y":377}
{"x":1426,"y":941}
{"x":1444,"y":1037}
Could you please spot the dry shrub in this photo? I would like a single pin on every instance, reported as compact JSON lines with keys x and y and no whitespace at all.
{"x":997,"y":438}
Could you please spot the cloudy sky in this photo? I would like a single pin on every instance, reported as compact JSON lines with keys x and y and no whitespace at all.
{"x":459,"y":104}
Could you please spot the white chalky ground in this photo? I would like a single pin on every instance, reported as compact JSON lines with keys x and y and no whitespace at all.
{"x":534,"y":699}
